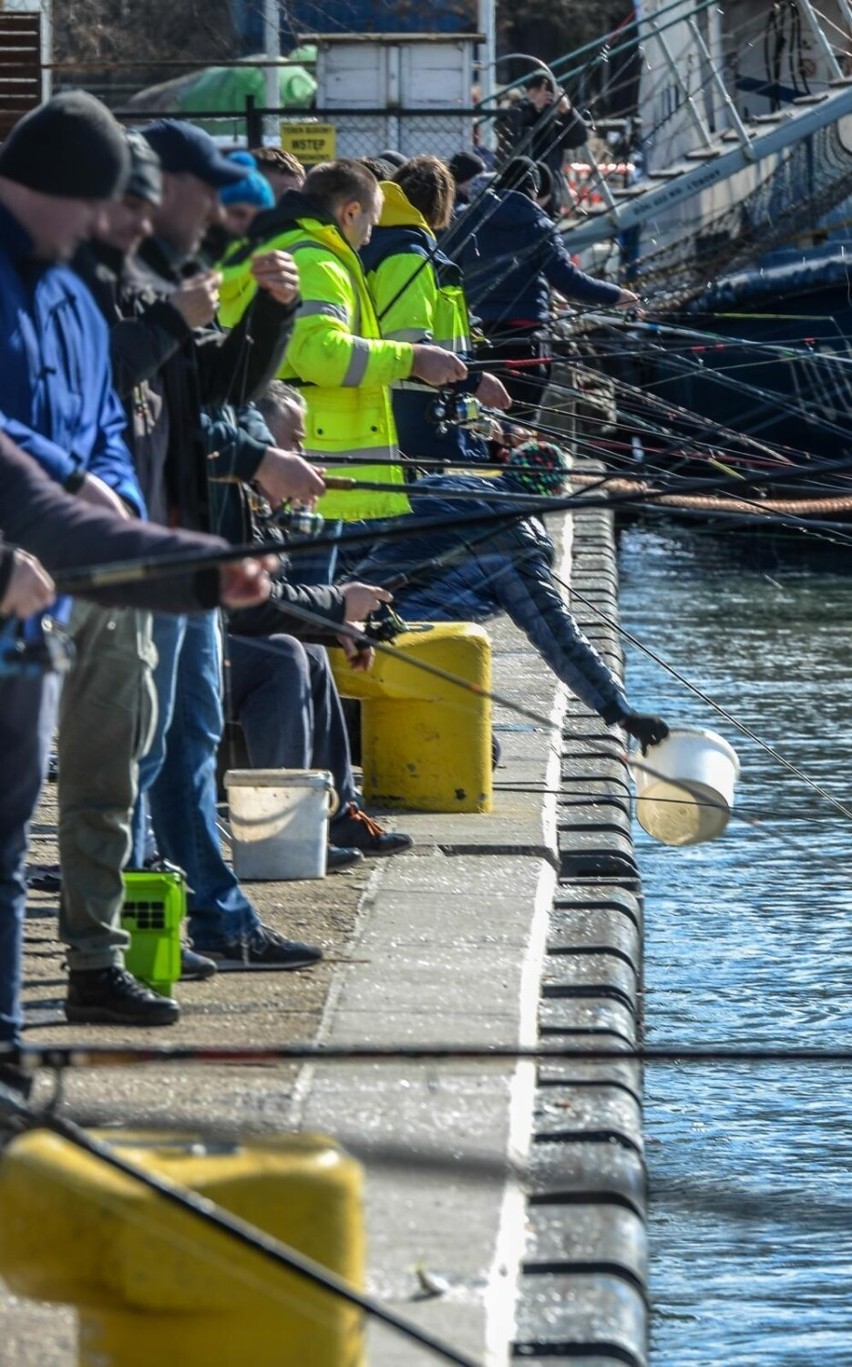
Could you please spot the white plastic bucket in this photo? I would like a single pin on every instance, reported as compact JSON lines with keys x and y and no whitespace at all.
{"x":685,"y":786}
{"x":279,"y":822}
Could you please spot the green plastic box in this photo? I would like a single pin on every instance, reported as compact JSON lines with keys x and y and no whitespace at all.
{"x":154,"y":906}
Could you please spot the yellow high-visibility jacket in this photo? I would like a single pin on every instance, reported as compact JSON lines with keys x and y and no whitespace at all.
{"x":417,"y":291}
{"x":336,"y":354}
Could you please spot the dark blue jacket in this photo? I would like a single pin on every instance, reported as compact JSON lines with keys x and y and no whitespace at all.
{"x":56,"y":395}
{"x":511,"y":256}
{"x":507,"y":571}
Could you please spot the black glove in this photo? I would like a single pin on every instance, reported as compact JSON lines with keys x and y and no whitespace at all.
{"x":647,"y":730}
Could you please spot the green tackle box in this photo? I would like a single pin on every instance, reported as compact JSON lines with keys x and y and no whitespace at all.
{"x":154,"y":906}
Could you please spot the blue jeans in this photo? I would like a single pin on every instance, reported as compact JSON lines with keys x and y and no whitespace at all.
{"x":27,"y":717}
{"x":178,"y":777}
{"x":284,"y":696}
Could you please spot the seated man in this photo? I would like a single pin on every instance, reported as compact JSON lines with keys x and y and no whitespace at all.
{"x":280,"y":687}
{"x":504,"y":569}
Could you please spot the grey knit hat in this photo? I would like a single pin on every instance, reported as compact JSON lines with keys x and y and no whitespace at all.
{"x":70,"y":147}
{"x":146,"y":178}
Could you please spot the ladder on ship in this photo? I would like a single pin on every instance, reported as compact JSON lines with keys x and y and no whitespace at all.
{"x":717,"y":156}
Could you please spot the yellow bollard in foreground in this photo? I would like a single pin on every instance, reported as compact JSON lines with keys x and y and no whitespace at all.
{"x":426,"y":742}
{"x":152,"y":1283}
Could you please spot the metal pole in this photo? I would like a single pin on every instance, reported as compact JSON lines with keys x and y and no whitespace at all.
{"x":487,"y":64}
{"x":272,"y":48}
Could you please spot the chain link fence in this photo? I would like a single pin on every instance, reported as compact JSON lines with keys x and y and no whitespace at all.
{"x":323,"y":134}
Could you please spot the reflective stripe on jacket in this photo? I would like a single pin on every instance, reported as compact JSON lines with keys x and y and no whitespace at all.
{"x":336,"y":355}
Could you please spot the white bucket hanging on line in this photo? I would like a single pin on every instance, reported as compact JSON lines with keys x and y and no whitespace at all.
{"x":685,"y":786}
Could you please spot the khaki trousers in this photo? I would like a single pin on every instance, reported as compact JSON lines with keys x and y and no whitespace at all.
{"x":106,"y":719}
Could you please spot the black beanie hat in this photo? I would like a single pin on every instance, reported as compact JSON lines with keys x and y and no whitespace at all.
{"x":521,"y":173}
{"x":545,"y":178}
{"x":464,"y":166}
{"x":71,"y":146}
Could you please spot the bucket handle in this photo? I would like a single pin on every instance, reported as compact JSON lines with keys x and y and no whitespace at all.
{"x":333,"y":800}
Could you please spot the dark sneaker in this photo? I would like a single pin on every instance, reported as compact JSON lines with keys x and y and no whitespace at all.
{"x":358,"y":831}
{"x":195,"y":968}
{"x":262,"y":951}
{"x":46,"y":878}
{"x":337,"y":859}
{"x":112,"y":996}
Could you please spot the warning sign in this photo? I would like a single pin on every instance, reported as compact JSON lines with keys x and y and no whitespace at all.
{"x":310,"y":142}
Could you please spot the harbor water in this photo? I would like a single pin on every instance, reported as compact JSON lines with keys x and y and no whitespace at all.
{"x":747,"y":947}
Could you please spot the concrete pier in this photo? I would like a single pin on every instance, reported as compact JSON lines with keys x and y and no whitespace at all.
{"x":505,"y":1201}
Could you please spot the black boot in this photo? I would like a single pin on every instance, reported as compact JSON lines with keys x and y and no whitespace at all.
{"x":112,"y":996}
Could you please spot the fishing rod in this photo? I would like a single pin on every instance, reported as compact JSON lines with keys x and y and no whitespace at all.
{"x":690,"y":365}
{"x":60,"y":1057}
{"x":86,"y":578}
{"x":415,"y":490}
{"x":239,"y":1232}
{"x":643,"y":398}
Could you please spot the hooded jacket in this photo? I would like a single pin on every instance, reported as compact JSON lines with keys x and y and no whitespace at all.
{"x":419,"y":297}
{"x":511,"y":255}
{"x":336,"y":353}
{"x":508,"y":570}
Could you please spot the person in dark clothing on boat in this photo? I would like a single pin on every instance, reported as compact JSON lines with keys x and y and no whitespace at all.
{"x":458,"y":575}
{"x":512,"y":257}
{"x":544,"y":126}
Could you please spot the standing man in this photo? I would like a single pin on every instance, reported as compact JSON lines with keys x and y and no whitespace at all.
{"x":66,"y":532}
{"x":512,"y":257}
{"x":178,"y":775}
{"x":336,"y":354}
{"x":543,"y":126}
{"x":59,"y":168}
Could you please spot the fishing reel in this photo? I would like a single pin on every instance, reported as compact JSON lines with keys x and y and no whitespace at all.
{"x":460,"y":410}
{"x":30,"y":649}
{"x":293,"y":520}
{"x":384,"y":624}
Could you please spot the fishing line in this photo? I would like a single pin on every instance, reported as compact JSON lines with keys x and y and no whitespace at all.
{"x":705,"y":698}
{"x":723,"y":376}
{"x":643,"y":400}
{"x":698,"y":447}
{"x":719,"y":376}
{"x":580,"y":799}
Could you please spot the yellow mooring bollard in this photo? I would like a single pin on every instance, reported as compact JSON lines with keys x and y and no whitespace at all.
{"x":426,"y":742}
{"x":153,"y":1283}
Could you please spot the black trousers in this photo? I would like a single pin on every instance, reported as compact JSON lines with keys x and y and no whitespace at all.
{"x":526,"y":380}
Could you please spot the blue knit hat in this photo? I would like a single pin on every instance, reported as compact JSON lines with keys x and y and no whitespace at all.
{"x":253,"y":189}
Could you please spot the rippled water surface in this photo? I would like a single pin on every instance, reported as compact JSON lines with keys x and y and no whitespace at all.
{"x":748,"y":945}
